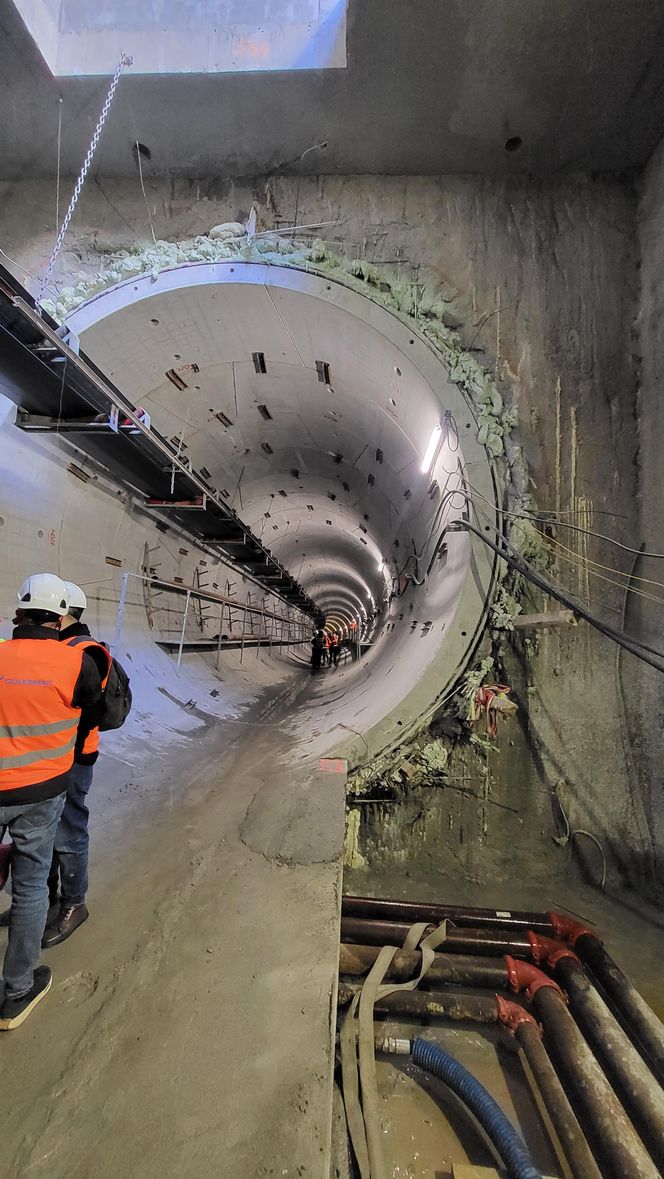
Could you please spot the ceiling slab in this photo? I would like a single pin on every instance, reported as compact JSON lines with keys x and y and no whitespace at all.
{"x":432,"y":86}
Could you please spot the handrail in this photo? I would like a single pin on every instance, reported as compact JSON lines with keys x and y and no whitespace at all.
{"x":204,"y":595}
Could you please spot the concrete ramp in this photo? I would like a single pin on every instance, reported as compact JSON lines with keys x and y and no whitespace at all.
{"x":189,"y":1030}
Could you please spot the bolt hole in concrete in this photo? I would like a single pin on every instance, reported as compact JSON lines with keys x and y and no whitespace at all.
{"x":514,"y":143}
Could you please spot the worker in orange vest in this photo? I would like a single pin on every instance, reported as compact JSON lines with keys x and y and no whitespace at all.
{"x":44,"y":685}
{"x":327,"y":652}
{"x":68,"y":880}
{"x":336,"y":648}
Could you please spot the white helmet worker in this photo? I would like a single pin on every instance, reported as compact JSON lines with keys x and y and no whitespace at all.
{"x":44,"y":591}
{"x":77,"y":598}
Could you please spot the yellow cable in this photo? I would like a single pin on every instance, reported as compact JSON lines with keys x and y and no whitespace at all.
{"x":606,"y":568}
{"x":579,"y":563}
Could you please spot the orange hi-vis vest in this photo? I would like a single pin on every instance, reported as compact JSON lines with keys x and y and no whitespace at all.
{"x":38,"y":723}
{"x":91,"y":742}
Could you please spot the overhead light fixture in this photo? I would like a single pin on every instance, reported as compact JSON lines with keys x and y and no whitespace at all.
{"x":432,"y":447}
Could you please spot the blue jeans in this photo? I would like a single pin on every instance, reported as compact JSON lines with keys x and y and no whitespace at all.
{"x":32,"y":828}
{"x":71,"y":848}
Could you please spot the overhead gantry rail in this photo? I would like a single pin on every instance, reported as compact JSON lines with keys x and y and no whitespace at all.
{"x":57,"y":389}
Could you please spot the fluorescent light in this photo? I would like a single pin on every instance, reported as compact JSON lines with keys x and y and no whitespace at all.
{"x":432,"y":446}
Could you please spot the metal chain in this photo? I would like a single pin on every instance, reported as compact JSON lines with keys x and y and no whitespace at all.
{"x":124,"y":61}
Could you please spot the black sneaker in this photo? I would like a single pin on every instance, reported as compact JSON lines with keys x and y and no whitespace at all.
{"x":67,"y":920}
{"x":14,"y":1011}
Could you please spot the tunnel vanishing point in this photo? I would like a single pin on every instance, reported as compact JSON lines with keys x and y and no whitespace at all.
{"x":343,"y":320}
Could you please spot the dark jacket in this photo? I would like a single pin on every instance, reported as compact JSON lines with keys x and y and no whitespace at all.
{"x":87,"y":693}
{"x":89,"y":717}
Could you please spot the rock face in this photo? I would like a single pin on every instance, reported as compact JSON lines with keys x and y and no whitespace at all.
{"x":546,"y":293}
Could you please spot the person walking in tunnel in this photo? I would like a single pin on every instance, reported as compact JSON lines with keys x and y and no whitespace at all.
{"x":317,"y":649}
{"x":44,"y":686}
{"x":68,"y":879}
{"x":336,"y":648}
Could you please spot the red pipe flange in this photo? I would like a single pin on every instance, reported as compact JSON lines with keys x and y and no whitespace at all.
{"x":511,"y":1015}
{"x":523,"y":976}
{"x":547,"y":949}
{"x":567,"y":929}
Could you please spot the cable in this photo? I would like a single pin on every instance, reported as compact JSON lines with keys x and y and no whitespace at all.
{"x":569,"y":834}
{"x":551,"y":518}
{"x":314,"y":147}
{"x":584,"y":563}
{"x":585,"y":599}
{"x":608,"y":568}
{"x":145,"y":198}
{"x":647,"y":654}
{"x":20,"y":266}
{"x":57,"y":178}
{"x":580,"y":563}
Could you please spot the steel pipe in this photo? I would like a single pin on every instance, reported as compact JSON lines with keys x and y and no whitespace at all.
{"x":638,"y":1017}
{"x":431,"y":1005}
{"x":639,"y":1091}
{"x":486,"y":942}
{"x":451,"y":969}
{"x":563,"y":1119}
{"x":462,"y":916}
{"x":620,"y":1152}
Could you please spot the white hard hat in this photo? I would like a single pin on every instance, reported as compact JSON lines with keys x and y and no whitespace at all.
{"x":44,"y":591}
{"x":77,"y":598}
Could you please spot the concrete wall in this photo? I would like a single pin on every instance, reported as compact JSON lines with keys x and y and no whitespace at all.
{"x":546,"y":273}
{"x":644,"y":616}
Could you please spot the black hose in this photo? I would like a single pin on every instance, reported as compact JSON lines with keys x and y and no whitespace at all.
{"x":634,"y":646}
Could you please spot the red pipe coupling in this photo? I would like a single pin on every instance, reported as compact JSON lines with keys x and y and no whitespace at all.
{"x":523,"y":976}
{"x":567,"y":929}
{"x":546,"y":949}
{"x":512,"y":1015}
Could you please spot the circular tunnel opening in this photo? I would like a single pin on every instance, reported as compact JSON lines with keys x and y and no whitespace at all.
{"x":336,"y":433}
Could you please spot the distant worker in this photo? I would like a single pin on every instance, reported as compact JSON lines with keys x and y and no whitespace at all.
{"x":44,"y":685}
{"x":317,"y":649}
{"x":327,"y":652}
{"x":336,"y":648}
{"x":68,"y":879}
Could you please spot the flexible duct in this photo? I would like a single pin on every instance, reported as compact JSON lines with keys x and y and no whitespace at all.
{"x":493,"y":1121}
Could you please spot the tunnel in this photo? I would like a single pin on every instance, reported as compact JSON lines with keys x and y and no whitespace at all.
{"x":332,"y":404}
{"x":336,"y":323}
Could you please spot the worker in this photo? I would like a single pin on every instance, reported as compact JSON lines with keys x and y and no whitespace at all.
{"x":327,"y":650}
{"x":44,"y":685}
{"x":317,"y":647}
{"x":336,"y":648}
{"x":68,"y":879}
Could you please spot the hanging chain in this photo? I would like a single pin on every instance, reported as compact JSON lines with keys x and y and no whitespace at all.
{"x":124,"y":61}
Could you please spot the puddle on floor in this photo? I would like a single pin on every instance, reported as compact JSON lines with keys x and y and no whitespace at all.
{"x":427,"y":1129}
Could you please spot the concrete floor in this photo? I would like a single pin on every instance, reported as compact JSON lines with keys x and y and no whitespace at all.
{"x":188,"y":1029}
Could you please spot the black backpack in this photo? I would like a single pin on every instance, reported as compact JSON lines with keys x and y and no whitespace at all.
{"x":115,"y":704}
{"x":116,"y":701}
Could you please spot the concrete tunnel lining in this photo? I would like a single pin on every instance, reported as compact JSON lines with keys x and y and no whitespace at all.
{"x":365,"y":430}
